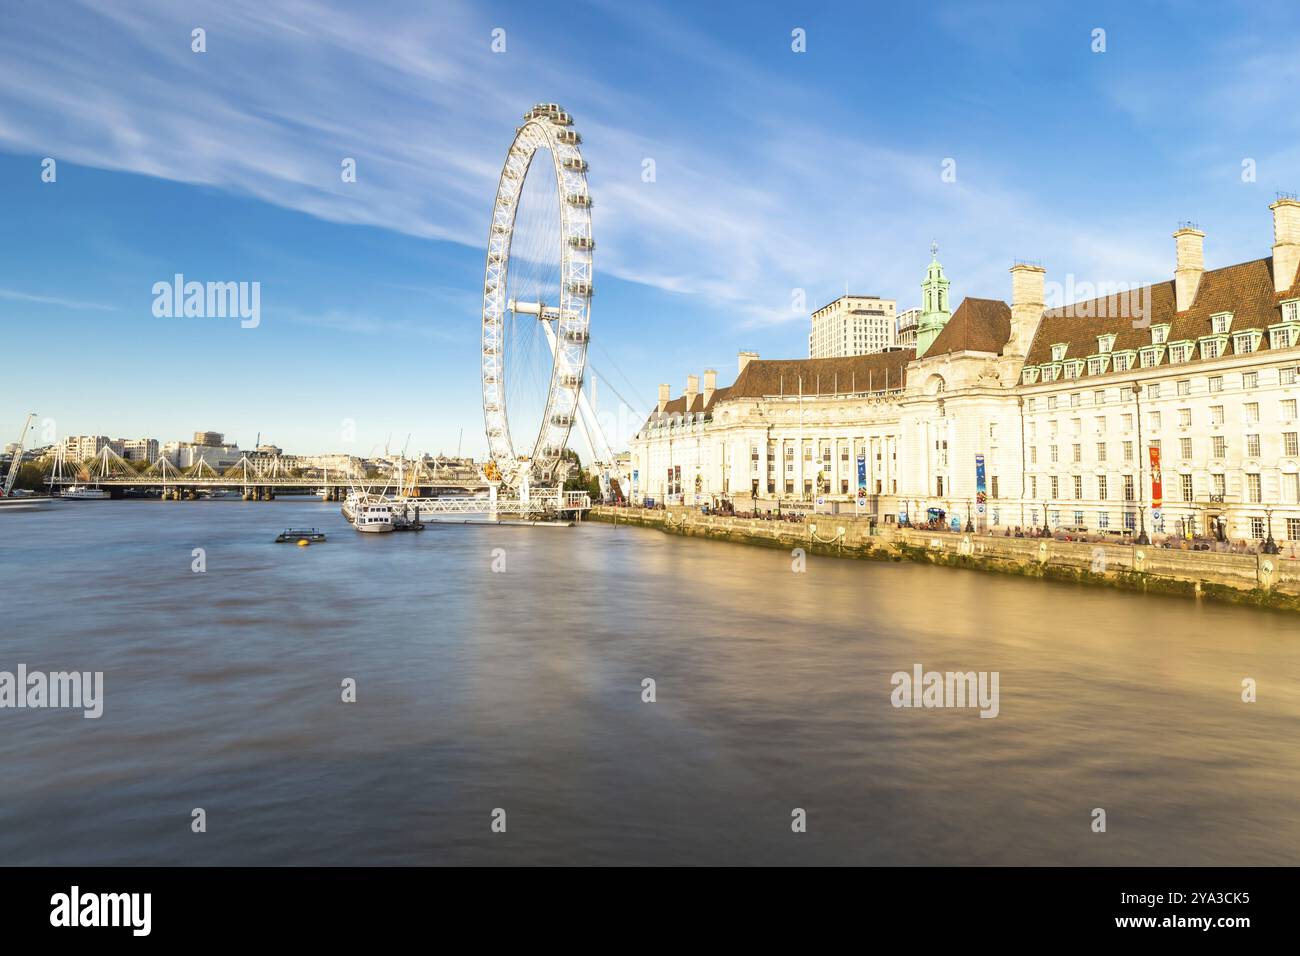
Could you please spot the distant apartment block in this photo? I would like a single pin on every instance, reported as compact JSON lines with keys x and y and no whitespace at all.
{"x":138,"y":449}
{"x":853,"y":325}
{"x":905,"y":336}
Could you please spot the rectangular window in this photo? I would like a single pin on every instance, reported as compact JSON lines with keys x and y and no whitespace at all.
{"x":1253,"y":491}
{"x":1127,"y":420}
{"x":1153,"y":390}
{"x":1033,"y":455}
{"x":1218,"y":485}
{"x":1055,"y":456}
{"x":1250,"y":380}
{"x":1101,"y":451}
{"x":1153,"y":421}
{"x":1103,"y":519}
{"x":1128,"y":451}
{"x":1128,"y":488}
{"x":1252,"y":446}
{"x":1185,"y":448}
{"x":1288,"y":409}
{"x":1033,"y":486}
{"x":1099,"y":397}
{"x":1185,"y":482}
{"x":1251,"y":410}
{"x":1216,"y":383}
{"x":1216,"y":414}
{"x":1078,"y":453}
{"x":1184,"y":417}
{"x":1286,"y":376}
{"x":1056,"y":487}
{"x":1293,"y":528}
{"x":1291,"y":494}
{"x":1078,"y":486}
{"x":1102,"y":487}
{"x":993,"y":486}
{"x":1101,"y":424}
{"x":1291,"y":444}
{"x":1257,"y":527}
{"x":1185,"y":387}
{"x":1218,"y":446}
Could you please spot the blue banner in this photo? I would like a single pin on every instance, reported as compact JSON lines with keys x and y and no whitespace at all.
{"x":981,"y":494}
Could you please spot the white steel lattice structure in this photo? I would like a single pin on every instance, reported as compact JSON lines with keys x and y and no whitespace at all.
{"x":548,"y":127}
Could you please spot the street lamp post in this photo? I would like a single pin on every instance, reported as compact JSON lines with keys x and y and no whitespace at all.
{"x":1047,"y":531}
{"x":970,"y":523}
{"x":1270,"y":546}
{"x":1142,"y":493}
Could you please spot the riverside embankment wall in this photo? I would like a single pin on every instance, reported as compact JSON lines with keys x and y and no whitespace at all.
{"x":1260,"y":579}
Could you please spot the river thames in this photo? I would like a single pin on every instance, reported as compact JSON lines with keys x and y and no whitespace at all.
{"x":522,"y":690}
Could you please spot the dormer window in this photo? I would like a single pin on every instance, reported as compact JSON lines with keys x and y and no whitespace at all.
{"x":1150,"y":356}
{"x":1291,"y":311}
{"x":1058,"y":351}
{"x":1212,"y":346}
{"x":1180,"y":352}
{"x":1105,"y":343}
{"x":1283,"y":336}
{"x":1030,"y":376}
{"x":1246,"y":342}
{"x":1097,"y":364}
{"x":1159,"y":334}
{"x":1220,"y":323}
{"x":1123,"y":361}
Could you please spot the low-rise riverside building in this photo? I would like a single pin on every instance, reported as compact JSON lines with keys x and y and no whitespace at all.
{"x":1169,"y":409}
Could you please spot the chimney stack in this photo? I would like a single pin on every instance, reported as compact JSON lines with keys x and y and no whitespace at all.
{"x":692,"y":389}
{"x":665,"y":393}
{"x":1027,"y":285}
{"x":1190,"y":266}
{"x":710,"y":384}
{"x":1286,"y":242}
{"x":744,"y":359}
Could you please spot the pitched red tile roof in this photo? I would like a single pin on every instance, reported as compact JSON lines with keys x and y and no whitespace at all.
{"x":826,"y":376}
{"x":1245,"y":290}
{"x":830,"y":376}
{"x":978,"y":325}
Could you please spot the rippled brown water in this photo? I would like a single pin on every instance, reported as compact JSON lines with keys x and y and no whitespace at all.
{"x":522,"y":690}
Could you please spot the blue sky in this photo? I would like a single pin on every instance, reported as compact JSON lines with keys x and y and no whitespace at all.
{"x":775,"y":171}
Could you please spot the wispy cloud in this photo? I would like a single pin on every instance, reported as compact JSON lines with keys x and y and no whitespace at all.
{"x":14,"y":295}
{"x":412,"y":92}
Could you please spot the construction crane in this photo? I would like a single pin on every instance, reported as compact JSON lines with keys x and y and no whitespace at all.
{"x":17,"y":461}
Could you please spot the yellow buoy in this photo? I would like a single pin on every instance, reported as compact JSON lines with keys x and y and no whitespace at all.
{"x":303,"y":542}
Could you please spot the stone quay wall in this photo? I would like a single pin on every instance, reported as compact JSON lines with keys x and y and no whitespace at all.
{"x":1265,"y":580}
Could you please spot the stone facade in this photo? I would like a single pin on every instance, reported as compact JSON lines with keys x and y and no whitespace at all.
{"x":1073,"y":410}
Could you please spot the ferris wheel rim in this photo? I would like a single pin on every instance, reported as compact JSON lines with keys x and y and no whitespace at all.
{"x":550,"y":127}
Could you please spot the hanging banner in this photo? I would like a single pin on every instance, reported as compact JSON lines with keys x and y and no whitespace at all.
{"x":981,"y":493}
{"x":862,"y":481}
{"x":1157,"y":482}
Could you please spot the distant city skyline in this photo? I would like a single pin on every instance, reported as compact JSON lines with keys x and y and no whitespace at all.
{"x":779,"y":176}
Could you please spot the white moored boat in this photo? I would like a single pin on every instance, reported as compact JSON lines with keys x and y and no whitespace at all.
{"x":374,"y":517}
{"x":83,"y":493}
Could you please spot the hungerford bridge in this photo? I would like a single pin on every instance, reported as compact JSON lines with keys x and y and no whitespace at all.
{"x":258,"y":478}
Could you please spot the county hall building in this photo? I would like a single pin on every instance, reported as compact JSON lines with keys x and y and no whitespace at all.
{"x":1169,"y":408}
